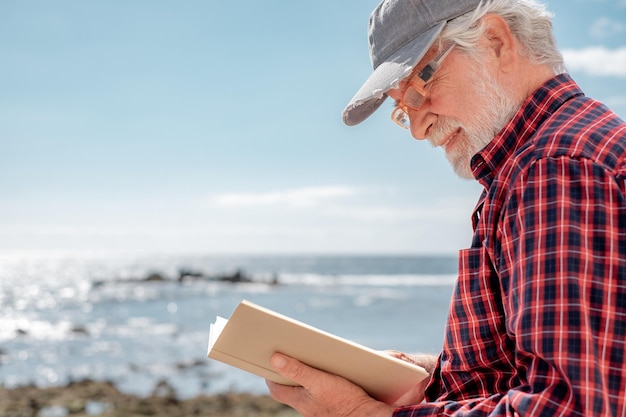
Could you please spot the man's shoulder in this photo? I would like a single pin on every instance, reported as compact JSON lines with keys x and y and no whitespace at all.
{"x":582,"y":128}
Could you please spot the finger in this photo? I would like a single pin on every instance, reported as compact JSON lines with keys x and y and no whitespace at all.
{"x":395,"y":353}
{"x":283,"y":393}
{"x":399,"y":355}
{"x":291,"y":368}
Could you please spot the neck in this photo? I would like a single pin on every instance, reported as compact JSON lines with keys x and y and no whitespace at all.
{"x":529,"y":78}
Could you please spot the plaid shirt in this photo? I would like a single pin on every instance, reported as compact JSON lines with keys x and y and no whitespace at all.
{"x":537,"y":322}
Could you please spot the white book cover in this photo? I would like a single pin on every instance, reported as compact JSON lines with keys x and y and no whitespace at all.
{"x":253,"y":333}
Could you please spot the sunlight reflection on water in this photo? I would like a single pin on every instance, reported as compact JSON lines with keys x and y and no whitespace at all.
{"x":69,"y":319}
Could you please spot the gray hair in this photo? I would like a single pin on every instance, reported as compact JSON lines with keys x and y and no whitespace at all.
{"x":529,"y":21}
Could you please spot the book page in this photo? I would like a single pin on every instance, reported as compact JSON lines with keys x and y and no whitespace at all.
{"x":215,"y":330}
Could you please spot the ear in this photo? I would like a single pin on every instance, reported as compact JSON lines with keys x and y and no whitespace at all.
{"x":500,"y":41}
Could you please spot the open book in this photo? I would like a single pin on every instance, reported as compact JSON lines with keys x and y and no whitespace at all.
{"x":253,"y":333}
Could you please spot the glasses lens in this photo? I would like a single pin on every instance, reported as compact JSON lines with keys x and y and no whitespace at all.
{"x":413,"y":98}
{"x":401,"y":118}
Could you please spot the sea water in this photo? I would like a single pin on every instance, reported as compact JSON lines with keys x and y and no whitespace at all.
{"x":73,"y":316}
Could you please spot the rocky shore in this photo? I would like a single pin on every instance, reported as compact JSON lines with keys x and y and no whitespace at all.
{"x":94,"y":398}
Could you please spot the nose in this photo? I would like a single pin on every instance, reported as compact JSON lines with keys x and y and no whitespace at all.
{"x":421,"y":121}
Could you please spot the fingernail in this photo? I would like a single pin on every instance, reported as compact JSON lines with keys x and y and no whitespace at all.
{"x":278,"y":360}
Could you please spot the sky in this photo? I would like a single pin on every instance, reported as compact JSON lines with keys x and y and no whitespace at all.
{"x":215,"y":127}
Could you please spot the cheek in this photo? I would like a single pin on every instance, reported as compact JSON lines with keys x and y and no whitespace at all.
{"x":457,"y":99}
{"x":453,"y":94}
{"x":450,"y":101}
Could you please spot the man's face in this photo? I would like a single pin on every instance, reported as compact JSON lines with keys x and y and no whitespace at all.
{"x":465,"y":109}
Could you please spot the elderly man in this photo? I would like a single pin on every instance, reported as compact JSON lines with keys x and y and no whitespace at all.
{"x":537,"y":322}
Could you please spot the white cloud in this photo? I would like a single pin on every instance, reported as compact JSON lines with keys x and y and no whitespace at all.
{"x":344,"y":225}
{"x":452,"y":210}
{"x":597,"y":61}
{"x":605,"y":28}
{"x":334,"y":218}
{"x":308,"y":196}
{"x":619,"y":3}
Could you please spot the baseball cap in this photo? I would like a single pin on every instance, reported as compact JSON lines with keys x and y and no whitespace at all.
{"x":400,"y":34}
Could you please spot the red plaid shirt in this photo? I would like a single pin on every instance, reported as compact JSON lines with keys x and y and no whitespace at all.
{"x":537,"y":322}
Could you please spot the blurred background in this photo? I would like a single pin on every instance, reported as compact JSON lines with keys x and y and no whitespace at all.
{"x":151,"y":151}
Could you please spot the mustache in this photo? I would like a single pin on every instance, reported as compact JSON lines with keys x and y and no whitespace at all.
{"x":442,"y":128}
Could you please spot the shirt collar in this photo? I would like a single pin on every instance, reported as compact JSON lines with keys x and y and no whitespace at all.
{"x":535,"y":109}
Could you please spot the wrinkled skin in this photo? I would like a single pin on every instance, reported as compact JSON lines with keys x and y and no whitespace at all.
{"x":326,"y":395}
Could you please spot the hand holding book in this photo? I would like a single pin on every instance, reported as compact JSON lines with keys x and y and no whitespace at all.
{"x":322,"y":393}
{"x":253,"y":333}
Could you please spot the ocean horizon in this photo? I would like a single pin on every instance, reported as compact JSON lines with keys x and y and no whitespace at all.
{"x":140,"y":319}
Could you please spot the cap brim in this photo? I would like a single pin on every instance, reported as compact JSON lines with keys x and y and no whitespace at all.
{"x":388,"y":76}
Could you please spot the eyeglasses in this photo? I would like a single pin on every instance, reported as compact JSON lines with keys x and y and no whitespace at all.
{"x":415,"y":93}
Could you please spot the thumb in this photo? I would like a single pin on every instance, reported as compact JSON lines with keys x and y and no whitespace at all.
{"x":291,"y":368}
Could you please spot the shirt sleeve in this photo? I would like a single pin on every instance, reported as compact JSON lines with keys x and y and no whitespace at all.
{"x":560,"y":257}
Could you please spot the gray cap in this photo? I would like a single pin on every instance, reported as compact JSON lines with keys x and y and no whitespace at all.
{"x":400,"y":33}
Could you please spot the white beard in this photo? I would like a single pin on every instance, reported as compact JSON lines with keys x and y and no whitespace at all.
{"x":495,"y":108}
